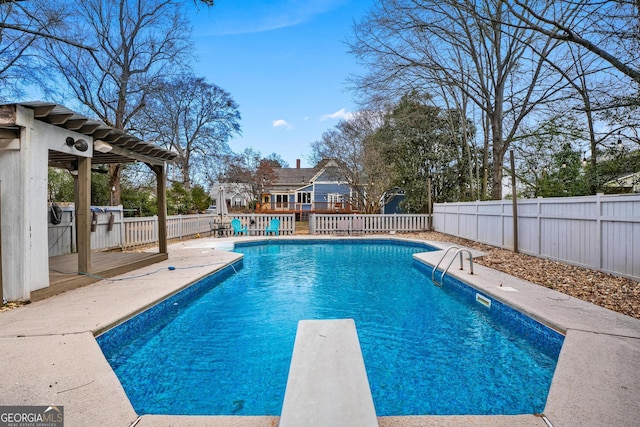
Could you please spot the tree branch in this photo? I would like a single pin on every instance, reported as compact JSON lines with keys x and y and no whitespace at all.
{"x":45,"y":35}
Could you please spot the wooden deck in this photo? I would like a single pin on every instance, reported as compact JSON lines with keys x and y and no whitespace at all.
{"x":63,"y":270}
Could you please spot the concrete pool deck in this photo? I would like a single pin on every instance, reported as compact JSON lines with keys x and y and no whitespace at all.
{"x":48,"y":354}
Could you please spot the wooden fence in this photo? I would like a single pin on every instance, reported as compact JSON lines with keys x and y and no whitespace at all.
{"x":355,"y":223}
{"x":121,"y":232}
{"x":256,"y":223}
{"x":599,"y":232}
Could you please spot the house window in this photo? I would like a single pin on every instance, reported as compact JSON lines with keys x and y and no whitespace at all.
{"x":335,"y":198}
{"x":282,"y":201}
{"x":304,"y":197}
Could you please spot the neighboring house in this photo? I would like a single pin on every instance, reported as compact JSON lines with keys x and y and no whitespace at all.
{"x":629,"y":183}
{"x":321,"y":189}
{"x":237,"y":195}
{"x":391,"y":200}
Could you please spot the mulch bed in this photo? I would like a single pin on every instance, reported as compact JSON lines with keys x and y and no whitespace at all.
{"x":606,"y":290}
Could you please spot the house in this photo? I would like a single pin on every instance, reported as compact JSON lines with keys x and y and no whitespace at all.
{"x":321,"y":189}
{"x":629,"y":183}
{"x":237,"y":195}
{"x":38,"y":135}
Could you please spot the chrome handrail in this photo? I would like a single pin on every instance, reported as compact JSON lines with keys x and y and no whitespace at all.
{"x":459,"y":251}
{"x":433,"y":273}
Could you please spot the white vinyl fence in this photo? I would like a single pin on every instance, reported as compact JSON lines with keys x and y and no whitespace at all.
{"x":106,"y":230}
{"x":355,"y":223}
{"x":599,"y":232}
{"x":62,"y":237}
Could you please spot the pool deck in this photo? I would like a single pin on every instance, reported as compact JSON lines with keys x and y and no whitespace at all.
{"x":48,"y":354}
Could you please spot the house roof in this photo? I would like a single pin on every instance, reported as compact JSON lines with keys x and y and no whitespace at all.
{"x":298,"y":177}
{"x":125,"y":148}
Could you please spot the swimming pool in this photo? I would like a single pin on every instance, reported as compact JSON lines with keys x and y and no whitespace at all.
{"x":223,"y":346}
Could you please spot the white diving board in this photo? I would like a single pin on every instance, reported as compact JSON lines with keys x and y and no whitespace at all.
{"x":327,"y":384}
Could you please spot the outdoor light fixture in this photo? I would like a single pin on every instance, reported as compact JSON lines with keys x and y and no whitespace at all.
{"x":78,"y":144}
{"x":584,"y":158}
{"x":620,"y":146}
{"x":101,"y":146}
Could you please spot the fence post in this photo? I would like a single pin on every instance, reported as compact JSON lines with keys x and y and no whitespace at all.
{"x":514,"y":196}
{"x":599,"y":228}
{"x":539,"y":224}
{"x":429,"y":205}
{"x":122,"y":232}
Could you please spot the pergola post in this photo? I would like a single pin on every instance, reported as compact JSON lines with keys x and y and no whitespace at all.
{"x":161,"y":183}
{"x":1,"y":294}
{"x":83,"y":215}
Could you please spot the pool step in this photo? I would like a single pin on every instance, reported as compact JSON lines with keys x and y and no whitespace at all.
{"x":327,"y":384}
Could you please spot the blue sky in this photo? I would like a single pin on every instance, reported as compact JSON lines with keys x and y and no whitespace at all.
{"x":285,"y":63}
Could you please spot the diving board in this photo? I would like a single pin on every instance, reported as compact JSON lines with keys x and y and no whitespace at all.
{"x":327,"y":384}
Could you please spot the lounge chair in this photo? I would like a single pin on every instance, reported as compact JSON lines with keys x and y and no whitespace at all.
{"x":237,"y":227}
{"x":358,"y":226}
{"x":273,"y":227}
{"x":343,"y":226}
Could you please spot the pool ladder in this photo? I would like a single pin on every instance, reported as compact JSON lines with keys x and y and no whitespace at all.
{"x":458,"y":251}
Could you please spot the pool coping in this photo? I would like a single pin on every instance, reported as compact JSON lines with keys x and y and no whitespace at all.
{"x":50,"y":355}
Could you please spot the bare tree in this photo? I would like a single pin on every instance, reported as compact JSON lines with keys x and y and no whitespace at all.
{"x":23,"y":25}
{"x":136,"y":43}
{"x":251,"y":172}
{"x":359,"y":156}
{"x":609,"y":29}
{"x":420,"y":46}
{"x":195,"y":119}
{"x":26,"y":24}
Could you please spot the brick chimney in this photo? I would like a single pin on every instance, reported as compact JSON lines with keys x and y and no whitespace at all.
{"x":297,"y":163}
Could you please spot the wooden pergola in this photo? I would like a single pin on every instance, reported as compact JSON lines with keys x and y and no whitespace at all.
{"x":89,"y":142}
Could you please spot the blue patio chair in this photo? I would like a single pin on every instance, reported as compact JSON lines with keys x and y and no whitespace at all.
{"x":273,"y":227}
{"x":237,"y":227}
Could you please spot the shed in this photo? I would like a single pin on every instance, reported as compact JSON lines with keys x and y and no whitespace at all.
{"x":33,"y":136}
{"x":391,"y":201}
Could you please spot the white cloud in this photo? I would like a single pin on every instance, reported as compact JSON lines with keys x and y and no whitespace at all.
{"x":281,"y":123}
{"x":341,"y":114}
{"x":236,"y":18}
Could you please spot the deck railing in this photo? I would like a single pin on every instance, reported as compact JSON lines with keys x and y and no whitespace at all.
{"x":144,"y":231}
{"x":360,"y":223}
{"x":132,"y":232}
{"x":257,"y":223}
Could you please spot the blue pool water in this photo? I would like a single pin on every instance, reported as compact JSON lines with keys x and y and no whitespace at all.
{"x":223,"y":346}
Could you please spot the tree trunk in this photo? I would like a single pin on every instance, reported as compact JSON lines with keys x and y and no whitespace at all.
{"x":184,"y":167}
{"x":497,"y":152}
{"x":485,"y":158}
{"x":114,"y":183}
